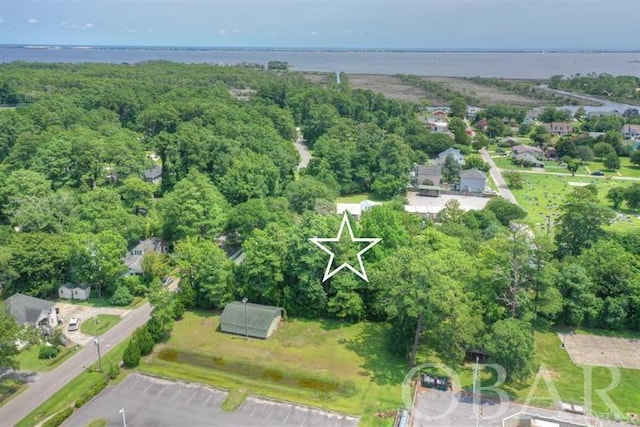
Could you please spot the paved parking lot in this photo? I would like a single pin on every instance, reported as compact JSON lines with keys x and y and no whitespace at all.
{"x":602,"y":351}
{"x":433,"y":205}
{"x":150,"y":401}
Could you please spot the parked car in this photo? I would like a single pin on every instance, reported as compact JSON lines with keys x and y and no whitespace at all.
{"x":597,"y":173}
{"x":74,"y":324}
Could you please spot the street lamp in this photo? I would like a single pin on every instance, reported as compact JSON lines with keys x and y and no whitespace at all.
{"x":97,"y":343}
{"x":246,"y":326}
{"x":124,"y":419}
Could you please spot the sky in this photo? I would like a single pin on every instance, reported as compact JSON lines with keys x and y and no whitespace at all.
{"x":410,"y":24}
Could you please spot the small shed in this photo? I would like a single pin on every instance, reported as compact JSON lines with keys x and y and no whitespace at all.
{"x":254,"y":320}
{"x":81,"y":292}
{"x":71,"y":291}
{"x":66,"y":291}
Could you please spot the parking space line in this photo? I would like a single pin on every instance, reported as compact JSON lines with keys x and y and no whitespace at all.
{"x":288,"y":413}
{"x":193,"y":395}
{"x":205,"y":402}
{"x":163,"y":389}
{"x":134,"y":383}
{"x":147,"y":387}
{"x":273,"y":408}
{"x":177,"y":393}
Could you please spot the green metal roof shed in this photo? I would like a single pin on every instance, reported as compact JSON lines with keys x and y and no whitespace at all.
{"x":261,"y":320}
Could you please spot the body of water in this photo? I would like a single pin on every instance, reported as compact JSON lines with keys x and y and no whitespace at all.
{"x":536,"y":65}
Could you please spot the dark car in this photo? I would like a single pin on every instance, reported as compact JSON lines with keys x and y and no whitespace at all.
{"x":597,"y":173}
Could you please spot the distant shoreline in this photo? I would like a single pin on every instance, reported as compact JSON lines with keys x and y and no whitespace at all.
{"x":538,"y":64}
{"x":311,"y":49}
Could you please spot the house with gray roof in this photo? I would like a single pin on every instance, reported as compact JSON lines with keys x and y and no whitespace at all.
{"x":427,"y":180}
{"x":134,"y":258}
{"x":527,"y":149}
{"x":472,"y":180}
{"x":453,"y":152}
{"x":31,"y":311}
{"x":254,"y":320}
{"x":153,"y":175}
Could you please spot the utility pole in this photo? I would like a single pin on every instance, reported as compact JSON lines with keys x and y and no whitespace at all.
{"x":475,"y":392}
{"x":246,"y":326}
{"x":97,"y":342}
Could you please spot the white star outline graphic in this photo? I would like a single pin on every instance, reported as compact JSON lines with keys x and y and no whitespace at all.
{"x":318,"y":242}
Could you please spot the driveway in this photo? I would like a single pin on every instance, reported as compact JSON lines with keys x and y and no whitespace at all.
{"x":149,"y":401}
{"x":496,"y":174}
{"x":85,"y":314}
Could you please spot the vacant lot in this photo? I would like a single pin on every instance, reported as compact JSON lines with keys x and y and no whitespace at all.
{"x":337,"y":366}
{"x":390,"y":86}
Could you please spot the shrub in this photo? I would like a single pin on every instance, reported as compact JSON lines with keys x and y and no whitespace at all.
{"x":178,"y":309}
{"x":144,"y":340}
{"x":122,"y":296}
{"x":92,"y":392}
{"x":131,"y":356}
{"x":48,"y":352}
{"x":58,"y":418}
{"x":114,"y":371}
{"x":156,"y":330}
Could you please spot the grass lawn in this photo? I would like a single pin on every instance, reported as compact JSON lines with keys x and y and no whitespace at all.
{"x":75,"y":388}
{"x":549,"y":166}
{"x":542,"y":195}
{"x":354,"y":198}
{"x":29,"y":361}
{"x":10,"y":389}
{"x":626,"y":168}
{"x":337,"y":366}
{"x":99,"y":324}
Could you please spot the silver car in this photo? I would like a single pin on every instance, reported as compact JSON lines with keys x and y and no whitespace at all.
{"x":74,"y":324}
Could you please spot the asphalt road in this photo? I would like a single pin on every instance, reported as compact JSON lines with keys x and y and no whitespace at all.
{"x":497,"y":177}
{"x":50,"y":382}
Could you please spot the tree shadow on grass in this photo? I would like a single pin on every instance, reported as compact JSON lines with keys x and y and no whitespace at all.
{"x":379,"y":364}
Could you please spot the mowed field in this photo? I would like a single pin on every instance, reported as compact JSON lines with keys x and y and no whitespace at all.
{"x":337,"y":366}
{"x":543,"y":194}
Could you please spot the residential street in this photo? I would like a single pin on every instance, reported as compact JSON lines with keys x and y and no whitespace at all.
{"x":303,"y":151}
{"x":497,"y":177}
{"x":50,"y":382}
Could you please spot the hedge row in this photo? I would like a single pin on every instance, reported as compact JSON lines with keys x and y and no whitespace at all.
{"x":59,"y":417}
{"x":92,"y":392}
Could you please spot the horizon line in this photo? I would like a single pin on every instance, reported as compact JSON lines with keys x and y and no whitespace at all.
{"x":318,"y":48}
